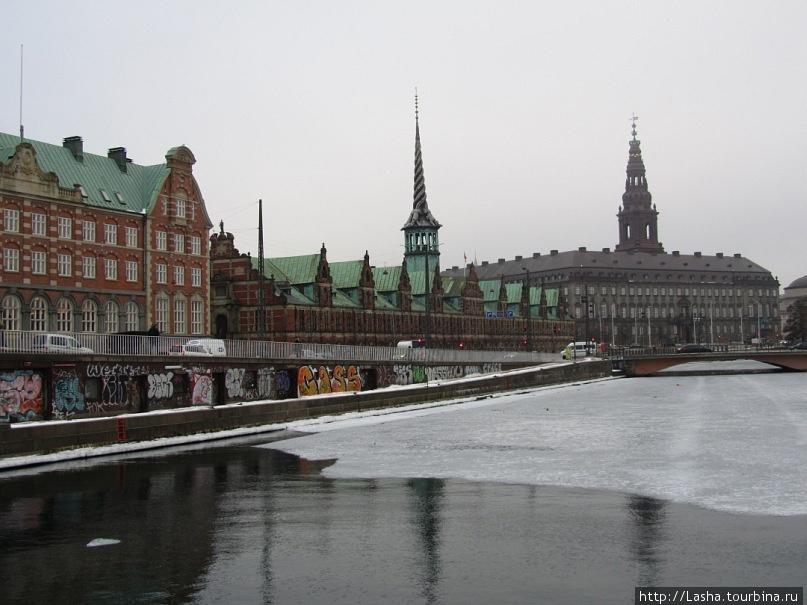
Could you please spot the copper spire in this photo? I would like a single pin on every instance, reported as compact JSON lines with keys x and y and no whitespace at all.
{"x":420,"y":216}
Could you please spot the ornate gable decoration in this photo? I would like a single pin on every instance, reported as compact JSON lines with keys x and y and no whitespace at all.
{"x":23,"y":174}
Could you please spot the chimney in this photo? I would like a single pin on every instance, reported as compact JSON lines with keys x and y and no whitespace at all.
{"x":76,"y":147}
{"x":536,"y":255}
{"x":119,"y":155}
{"x":581,"y":249}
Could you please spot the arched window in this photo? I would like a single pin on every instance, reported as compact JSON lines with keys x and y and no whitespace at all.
{"x":11,"y":313}
{"x":132,"y":316}
{"x":39,"y":314}
{"x":64,"y":316}
{"x":89,"y":316}
{"x":111,"y":317}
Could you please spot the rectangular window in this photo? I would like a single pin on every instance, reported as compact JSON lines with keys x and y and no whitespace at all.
{"x":88,"y":230}
{"x":196,"y":316}
{"x":179,"y":316}
{"x":131,"y":237}
{"x":131,"y":317}
{"x":65,"y":227}
{"x":88,"y":267}
{"x":631,"y":291}
{"x":110,"y":234}
{"x":179,"y":242}
{"x":180,"y":208}
{"x":11,"y":220}
{"x":179,"y":275}
{"x":162,"y":314}
{"x":196,"y":245}
{"x":131,"y":270}
{"x":196,"y":277}
{"x":161,"y":273}
{"x":162,"y":240}
{"x":111,"y":269}
{"x":11,"y":260}
{"x":65,"y":265}
{"x":38,"y":262}
{"x":37,"y":224}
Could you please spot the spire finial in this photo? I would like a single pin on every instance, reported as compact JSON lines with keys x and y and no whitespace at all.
{"x":416,"y":103}
{"x":633,"y":119}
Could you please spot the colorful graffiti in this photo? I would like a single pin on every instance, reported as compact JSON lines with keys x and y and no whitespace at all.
{"x":415,"y":374}
{"x":68,"y":395}
{"x":21,"y":396}
{"x":313,"y":380}
{"x":201,"y":389}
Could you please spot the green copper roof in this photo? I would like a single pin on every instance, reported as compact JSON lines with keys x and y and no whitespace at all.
{"x":297,"y":269}
{"x":100,"y":178}
{"x":387,"y":278}
{"x":346,"y":274}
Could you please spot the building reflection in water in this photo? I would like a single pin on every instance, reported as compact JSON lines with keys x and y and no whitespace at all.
{"x":425,"y":505}
{"x":647,"y":517}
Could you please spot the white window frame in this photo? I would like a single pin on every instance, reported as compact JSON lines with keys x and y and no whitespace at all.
{"x":132,"y":316}
{"x":196,"y":245}
{"x":179,"y":275}
{"x":111,"y":269}
{"x":197,"y":313}
{"x":11,"y":260}
{"x":161,"y":242}
{"x":65,"y":226}
{"x":88,"y":230}
{"x":180,"y":315}
{"x":65,"y":265}
{"x":196,"y":277}
{"x":39,"y":224}
{"x":161,"y":312}
{"x":161,"y":273}
{"x":131,"y":237}
{"x":11,"y":313}
{"x":89,"y":316}
{"x":88,"y":267}
{"x":111,"y":317}
{"x":38,"y":315}
{"x":179,"y":242}
{"x":11,"y":220}
{"x":131,"y":271}
{"x":39,"y":262}
{"x":110,"y":233}
{"x":64,"y":316}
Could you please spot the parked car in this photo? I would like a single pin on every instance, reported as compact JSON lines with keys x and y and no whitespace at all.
{"x":693,"y":348}
{"x":799,"y":346}
{"x":58,"y":343}
{"x":578,"y":349}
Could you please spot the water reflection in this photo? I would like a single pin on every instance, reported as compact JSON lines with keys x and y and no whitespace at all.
{"x":426,"y":499}
{"x":240,"y":524}
{"x":646,"y":517}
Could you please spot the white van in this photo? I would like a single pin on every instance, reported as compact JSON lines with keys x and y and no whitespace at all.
{"x":200,"y":346}
{"x":58,"y":343}
{"x":405,"y":353}
{"x":579,"y":349}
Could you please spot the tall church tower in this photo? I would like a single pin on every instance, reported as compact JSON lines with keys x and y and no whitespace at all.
{"x":421,"y":244}
{"x":638,"y":219}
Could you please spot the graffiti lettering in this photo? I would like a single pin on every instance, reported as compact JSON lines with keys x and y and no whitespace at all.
{"x":68,"y":397}
{"x":317,"y":381}
{"x":234,"y":381}
{"x":265,"y":376}
{"x":202,"y":389}
{"x":160,"y":385}
{"x":117,"y":369}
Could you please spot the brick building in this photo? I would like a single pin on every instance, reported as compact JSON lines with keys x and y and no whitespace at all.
{"x":99,"y":244}
{"x":640,"y":294}
{"x":312,"y":299}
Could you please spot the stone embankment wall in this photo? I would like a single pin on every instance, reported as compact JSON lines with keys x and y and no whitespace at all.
{"x":45,"y":437}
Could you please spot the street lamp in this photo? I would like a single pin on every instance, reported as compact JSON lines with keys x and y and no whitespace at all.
{"x":528,"y":327}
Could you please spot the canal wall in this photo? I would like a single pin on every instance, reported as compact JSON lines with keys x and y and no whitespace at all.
{"x":27,"y":438}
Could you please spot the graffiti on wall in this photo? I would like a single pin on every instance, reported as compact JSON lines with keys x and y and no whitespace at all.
{"x":317,"y":380}
{"x":161,"y":385}
{"x":265,"y":381}
{"x":283,"y":385}
{"x":234,"y":382}
{"x":20,"y":396}
{"x":68,"y":394}
{"x":201,"y":388}
{"x":414,"y":374}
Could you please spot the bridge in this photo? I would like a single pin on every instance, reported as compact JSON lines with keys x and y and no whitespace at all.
{"x":646,"y":363}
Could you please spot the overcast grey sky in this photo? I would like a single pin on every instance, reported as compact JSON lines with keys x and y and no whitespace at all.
{"x":524,"y":116}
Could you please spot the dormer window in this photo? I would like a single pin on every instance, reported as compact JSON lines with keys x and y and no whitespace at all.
{"x":105,"y":195}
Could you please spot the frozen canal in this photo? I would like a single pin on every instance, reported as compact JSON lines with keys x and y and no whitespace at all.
{"x":728,"y":443}
{"x":571,"y":494}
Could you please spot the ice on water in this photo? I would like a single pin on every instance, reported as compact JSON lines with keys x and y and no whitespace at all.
{"x":730,"y":443}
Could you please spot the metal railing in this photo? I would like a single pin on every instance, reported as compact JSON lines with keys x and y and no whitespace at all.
{"x":28,"y":343}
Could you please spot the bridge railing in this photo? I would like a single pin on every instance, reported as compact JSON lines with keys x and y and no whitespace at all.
{"x":80,"y":344}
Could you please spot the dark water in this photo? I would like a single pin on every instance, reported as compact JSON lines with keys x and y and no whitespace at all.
{"x":238,"y":524}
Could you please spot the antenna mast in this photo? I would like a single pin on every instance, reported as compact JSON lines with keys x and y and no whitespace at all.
{"x":261,"y":276}
{"x":21,"y":130}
